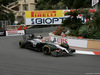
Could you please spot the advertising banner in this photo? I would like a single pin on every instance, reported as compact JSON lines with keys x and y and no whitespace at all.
{"x":71,"y":42}
{"x":49,"y":17}
{"x":44,"y":21}
{"x":46,"y":17}
{"x":15,"y":32}
{"x":58,"y":40}
{"x":45,"y":13}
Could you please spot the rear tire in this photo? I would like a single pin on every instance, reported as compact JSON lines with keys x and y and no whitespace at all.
{"x":22,"y":44}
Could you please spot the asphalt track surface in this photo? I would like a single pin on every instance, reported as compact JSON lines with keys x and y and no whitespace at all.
{"x":17,"y":61}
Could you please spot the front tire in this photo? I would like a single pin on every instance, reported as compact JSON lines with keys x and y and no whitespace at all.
{"x":65,"y":45}
{"x":48,"y":48}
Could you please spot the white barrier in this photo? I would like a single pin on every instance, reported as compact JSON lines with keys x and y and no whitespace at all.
{"x":15,"y":32}
{"x":77,"y":43}
{"x":71,"y":42}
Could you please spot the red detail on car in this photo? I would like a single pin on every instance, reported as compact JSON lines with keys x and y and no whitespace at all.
{"x":58,"y":50}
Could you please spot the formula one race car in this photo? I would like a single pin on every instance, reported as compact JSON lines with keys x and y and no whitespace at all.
{"x":47,"y":47}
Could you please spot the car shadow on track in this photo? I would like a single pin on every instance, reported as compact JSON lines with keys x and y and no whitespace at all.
{"x":35,"y":51}
{"x":66,"y":55}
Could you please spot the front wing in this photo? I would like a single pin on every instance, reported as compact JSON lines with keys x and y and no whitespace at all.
{"x":62,"y":52}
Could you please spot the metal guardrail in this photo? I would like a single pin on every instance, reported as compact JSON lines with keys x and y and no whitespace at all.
{"x":12,"y":27}
{"x":40,"y":30}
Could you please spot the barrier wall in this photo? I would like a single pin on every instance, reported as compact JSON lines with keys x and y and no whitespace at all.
{"x":14,"y":32}
{"x":84,"y":43}
{"x":95,"y":44}
{"x":77,"y":43}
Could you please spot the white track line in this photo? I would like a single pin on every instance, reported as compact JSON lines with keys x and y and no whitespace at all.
{"x":84,"y":52}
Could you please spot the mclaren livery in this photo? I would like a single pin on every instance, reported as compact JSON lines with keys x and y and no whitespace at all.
{"x":47,"y":47}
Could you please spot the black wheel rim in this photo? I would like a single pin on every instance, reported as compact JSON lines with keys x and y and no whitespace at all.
{"x":46,"y":50}
{"x":20,"y":44}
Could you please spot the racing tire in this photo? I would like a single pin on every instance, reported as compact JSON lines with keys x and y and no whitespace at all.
{"x":65,"y":45}
{"x":47,"y":49}
{"x":22,"y":44}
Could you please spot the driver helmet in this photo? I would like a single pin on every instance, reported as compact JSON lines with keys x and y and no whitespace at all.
{"x":40,"y":36}
{"x":31,"y":36}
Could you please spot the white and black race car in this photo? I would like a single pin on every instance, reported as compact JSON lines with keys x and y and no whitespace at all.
{"x":47,"y":47}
